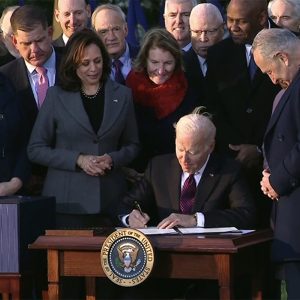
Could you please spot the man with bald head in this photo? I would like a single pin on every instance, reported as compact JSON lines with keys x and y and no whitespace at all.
{"x":72,"y":15}
{"x":176,"y":15}
{"x":207,"y":29}
{"x":239,"y":94}
{"x":286,"y":14}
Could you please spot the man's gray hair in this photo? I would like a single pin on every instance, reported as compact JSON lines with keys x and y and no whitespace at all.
{"x":294,"y":3}
{"x":108,"y":6}
{"x":193,"y":2}
{"x":5,"y":11}
{"x":197,"y":124}
{"x":268,"y":42}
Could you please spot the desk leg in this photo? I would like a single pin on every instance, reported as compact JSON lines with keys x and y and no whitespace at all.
{"x":225,"y":279}
{"x":15,"y":288}
{"x":53,"y":274}
{"x":90,"y":286}
{"x":5,"y":296}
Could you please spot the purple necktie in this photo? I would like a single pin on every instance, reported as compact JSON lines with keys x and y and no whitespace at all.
{"x":188,"y":192}
{"x":117,"y":64}
{"x":41,"y":85}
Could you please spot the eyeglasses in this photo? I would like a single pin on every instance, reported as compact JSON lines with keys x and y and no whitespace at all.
{"x":207,"y":32}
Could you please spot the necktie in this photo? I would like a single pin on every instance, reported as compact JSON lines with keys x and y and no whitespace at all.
{"x":277,"y":99}
{"x":117,"y":64}
{"x":188,"y":192}
{"x":41,"y":85}
{"x":204,"y":68}
{"x":252,"y":67}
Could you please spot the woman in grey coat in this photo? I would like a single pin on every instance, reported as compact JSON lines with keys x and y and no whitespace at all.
{"x":85,"y":132}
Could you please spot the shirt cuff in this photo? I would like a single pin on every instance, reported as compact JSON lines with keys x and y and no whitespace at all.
{"x":124,"y":220}
{"x":200,"y":219}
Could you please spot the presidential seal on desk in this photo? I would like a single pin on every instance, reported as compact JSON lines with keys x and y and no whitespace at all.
{"x":127,"y":257}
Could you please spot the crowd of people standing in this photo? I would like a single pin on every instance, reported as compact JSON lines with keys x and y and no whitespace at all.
{"x":94,"y":121}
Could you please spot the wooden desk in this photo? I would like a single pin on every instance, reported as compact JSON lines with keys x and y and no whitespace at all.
{"x":182,"y":256}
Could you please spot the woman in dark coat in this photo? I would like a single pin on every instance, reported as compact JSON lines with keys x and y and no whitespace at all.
{"x":14,"y":165}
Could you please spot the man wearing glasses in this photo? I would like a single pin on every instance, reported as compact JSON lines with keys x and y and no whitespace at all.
{"x":176,"y":15}
{"x":109,"y":21}
{"x":206,"y":28}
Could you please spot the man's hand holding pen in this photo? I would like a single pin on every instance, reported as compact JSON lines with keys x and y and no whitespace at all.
{"x":137,"y":218}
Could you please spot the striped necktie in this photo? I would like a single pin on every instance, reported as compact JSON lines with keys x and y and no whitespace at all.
{"x":187,"y":197}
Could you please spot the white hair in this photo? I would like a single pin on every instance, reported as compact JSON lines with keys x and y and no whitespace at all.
{"x":268,"y":42}
{"x":193,"y":2}
{"x":198,"y":125}
{"x":294,"y":3}
{"x":108,"y":6}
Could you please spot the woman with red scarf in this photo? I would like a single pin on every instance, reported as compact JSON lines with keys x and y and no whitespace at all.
{"x":160,"y":93}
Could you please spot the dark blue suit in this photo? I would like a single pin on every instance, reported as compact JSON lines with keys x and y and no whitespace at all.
{"x":14,"y":135}
{"x":282,"y":151}
{"x":194,"y":75}
{"x":222,"y":194}
{"x":16,"y":72}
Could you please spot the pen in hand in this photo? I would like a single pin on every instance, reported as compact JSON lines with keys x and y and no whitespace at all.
{"x":137,"y":206}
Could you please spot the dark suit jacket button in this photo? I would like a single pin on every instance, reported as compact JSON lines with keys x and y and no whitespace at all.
{"x":96,"y":141}
{"x":249,"y":110}
{"x":1,"y":117}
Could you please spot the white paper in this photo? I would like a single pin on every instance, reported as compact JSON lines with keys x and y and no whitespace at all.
{"x":197,"y":230}
{"x":155,"y":230}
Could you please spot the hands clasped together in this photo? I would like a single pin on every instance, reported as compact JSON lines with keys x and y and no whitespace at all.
{"x":95,"y":165}
{"x":266,"y":187}
{"x":138,"y":220}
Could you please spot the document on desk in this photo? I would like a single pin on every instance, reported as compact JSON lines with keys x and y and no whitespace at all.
{"x":157,"y":231}
{"x":200,"y":230}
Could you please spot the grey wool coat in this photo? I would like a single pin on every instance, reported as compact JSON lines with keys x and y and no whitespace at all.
{"x":63,"y":131}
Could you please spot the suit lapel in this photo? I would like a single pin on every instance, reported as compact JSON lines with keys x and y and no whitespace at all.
{"x":73,"y":104}
{"x":208,"y":181}
{"x":282,"y":102}
{"x":174,"y":183}
{"x":113,"y":105}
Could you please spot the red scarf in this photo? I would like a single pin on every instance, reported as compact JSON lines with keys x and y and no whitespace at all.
{"x":163,"y":98}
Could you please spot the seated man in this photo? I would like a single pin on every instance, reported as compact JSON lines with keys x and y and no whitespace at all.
{"x":197,"y":188}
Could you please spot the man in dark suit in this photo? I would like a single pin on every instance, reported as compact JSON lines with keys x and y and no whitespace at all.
{"x":239,"y":95}
{"x":33,"y":38}
{"x":277,"y":53}
{"x":109,"y":21}
{"x":72,"y":15}
{"x":220,"y":195}
{"x":207,"y":29}
{"x":14,"y":164}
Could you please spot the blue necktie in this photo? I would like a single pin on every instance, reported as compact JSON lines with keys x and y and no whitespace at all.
{"x":117,"y":64}
{"x":252,"y":67}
